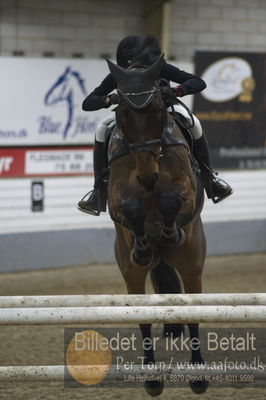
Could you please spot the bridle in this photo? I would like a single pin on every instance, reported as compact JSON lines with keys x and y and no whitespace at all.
{"x":133,"y":105}
{"x":143,"y":145}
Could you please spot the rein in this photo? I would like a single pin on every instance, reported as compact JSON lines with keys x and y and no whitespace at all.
{"x":145,"y":146}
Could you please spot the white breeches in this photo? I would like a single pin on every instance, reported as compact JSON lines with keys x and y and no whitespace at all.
{"x":103,"y":127}
{"x":195,"y":128}
{"x":108,"y":122}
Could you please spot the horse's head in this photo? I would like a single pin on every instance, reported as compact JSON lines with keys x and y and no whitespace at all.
{"x":140,"y":117}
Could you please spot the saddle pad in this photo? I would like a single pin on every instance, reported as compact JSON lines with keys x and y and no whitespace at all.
{"x":116,"y":145}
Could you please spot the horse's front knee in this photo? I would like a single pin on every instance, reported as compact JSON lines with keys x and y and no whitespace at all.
{"x":134,"y":211}
{"x":170,"y":205}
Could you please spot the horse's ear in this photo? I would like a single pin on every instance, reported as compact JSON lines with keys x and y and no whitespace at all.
{"x":154,"y":70}
{"x":118,"y":72}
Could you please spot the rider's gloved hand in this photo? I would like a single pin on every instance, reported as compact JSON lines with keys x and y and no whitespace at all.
{"x":114,"y":98}
{"x":107,"y":101}
{"x":110,"y":99}
{"x":178,"y":91}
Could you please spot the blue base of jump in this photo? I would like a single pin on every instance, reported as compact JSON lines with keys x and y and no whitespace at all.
{"x":50,"y":249}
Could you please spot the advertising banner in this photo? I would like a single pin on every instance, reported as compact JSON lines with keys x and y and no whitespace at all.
{"x":232,"y":109}
{"x":41,"y":101}
{"x":30,"y":162}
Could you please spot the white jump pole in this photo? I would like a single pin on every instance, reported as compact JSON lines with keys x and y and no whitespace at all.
{"x":57,"y":373}
{"x":128,"y":315}
{"x":221,"y":299}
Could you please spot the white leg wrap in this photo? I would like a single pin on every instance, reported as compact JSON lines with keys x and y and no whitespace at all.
{"x":195,"y":129}
{"x":102,"y":128}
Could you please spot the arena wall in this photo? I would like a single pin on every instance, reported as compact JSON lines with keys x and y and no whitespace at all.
{"x":231,"y":25}
{"x":89,"y":29}
{"x":67,"y":28}
{"x":60,"y":235}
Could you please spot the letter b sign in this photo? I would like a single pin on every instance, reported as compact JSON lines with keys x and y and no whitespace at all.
{"x":37,"y":196}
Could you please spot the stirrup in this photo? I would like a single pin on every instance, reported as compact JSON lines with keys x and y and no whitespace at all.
{"x":221,"y":198}
{"x":208,"y":177}
{"x":95,"y":213}
{"x":217,"y":199}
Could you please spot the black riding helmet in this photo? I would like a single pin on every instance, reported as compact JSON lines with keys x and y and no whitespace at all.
{"x":126,"y":49}
{"x":134,"y":48}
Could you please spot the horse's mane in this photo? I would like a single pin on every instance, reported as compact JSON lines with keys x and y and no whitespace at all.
{"x":147,"y":53}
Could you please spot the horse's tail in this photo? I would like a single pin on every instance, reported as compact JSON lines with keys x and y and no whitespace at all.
{"x":166,"y":280}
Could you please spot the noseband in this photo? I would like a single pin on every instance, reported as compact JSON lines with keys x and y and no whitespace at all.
{"x":142,"y":99}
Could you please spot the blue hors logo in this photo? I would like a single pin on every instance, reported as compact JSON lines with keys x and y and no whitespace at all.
{"x":63,"y":90}
{"x":62,"y":94}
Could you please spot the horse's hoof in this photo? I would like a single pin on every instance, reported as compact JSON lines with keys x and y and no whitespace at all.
{"x":199,"y":387}
{"x":154,"y":388}
{"x":177,"y":238}
{"x":140,"y":261}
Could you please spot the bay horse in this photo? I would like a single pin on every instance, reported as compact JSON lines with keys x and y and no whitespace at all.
{"x":155,"y":200}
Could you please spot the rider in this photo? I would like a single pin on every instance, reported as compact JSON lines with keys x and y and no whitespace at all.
{"x":128,"y":49}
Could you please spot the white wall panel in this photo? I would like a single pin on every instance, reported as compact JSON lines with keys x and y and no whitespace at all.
{"x":62,"y":194}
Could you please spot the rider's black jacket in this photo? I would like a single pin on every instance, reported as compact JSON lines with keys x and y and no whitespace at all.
{"x":190,"y":84}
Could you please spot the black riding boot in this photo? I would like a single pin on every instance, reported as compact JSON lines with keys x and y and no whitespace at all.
{"x":216,"y":189}
{"x":96,"y":201}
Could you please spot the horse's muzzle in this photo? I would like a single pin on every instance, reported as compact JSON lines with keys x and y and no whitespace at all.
{"x":150,"y":184}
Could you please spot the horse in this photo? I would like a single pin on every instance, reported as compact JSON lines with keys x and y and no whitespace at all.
{"x":154,"y":199}
{"x":63,"y":91}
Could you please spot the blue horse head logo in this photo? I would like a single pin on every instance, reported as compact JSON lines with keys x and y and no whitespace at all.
{"x":63,"y":90}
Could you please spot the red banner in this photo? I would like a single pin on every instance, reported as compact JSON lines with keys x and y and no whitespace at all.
{"x":28,"y":162}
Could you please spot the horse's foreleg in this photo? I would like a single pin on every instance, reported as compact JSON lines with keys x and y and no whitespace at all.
{"x":199,"y":386}
{"x":193,"y":284}
{"x":135,"y":280}
{"x":196,"y":357}
{"x":169,"y":207}
{"x":135,"y":214}
{"x":154,"y":388}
